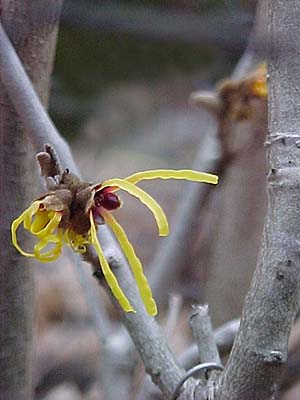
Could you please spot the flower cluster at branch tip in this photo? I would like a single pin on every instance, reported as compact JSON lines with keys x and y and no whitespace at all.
{"x":71,"y":212}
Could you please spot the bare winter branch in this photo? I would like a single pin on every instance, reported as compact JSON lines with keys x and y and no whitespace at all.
{"x":223,"y":336}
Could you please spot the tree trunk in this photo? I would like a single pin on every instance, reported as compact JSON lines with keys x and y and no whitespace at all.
{"x":259,"y":353}
{"x":32,"y":27}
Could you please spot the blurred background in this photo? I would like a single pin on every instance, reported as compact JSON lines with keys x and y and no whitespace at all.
{"x":110,"y":49}
{"x":121,"y":87}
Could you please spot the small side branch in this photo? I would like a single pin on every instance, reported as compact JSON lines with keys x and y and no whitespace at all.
{"x":223,"y":336}
{"x":201,"y":326}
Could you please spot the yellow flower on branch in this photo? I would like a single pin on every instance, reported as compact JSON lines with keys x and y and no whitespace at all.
{"x":70,"y":215}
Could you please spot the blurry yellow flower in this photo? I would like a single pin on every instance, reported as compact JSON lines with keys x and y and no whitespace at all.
{"x":258,"y":82}
{"x":70,"y":215}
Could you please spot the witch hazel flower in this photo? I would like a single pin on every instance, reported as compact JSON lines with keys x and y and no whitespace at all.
{"x":70,"y":213}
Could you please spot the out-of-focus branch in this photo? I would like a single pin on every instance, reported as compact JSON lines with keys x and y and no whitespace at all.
{"x":260,"y":349}
{"x":169,"y":257}
{"x":175,"y":306}
{"x":258,"y":44}
{"x":217,"y":28}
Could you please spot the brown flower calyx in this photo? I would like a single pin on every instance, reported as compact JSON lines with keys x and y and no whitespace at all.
{"x":67,"y":193}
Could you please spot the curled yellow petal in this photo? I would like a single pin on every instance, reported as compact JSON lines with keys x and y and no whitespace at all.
{"x":54,"y":220}
{"x":134,"y":262}
{"x":145,"y":198}
{"x":109,"y":276}
{"x":38,"y":228}
{"x":29,"y":213}
{"x":187,"y":174}
{"x":40,"y":221}
{"x":52,"y":254}
{"x":24,"y":218}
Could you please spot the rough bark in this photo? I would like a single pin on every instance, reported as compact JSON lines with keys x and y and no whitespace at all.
{"x":260,"y":350}
{"x":32,"y":27}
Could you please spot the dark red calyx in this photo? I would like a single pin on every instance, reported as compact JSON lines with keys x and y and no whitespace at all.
{"x":109,"y":201}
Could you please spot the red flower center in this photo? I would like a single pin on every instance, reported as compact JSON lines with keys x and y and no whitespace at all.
{"x":110,"y":201}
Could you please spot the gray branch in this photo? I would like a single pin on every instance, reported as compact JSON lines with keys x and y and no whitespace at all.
{"x":200,"y":323}
{"x":201,"y":326}
{"x":223,"y":337}
{"x":260,"y":349}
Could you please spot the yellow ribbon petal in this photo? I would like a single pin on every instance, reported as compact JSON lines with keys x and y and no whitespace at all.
{"x":29,"y":213}
{"x":52,"y":254}
{"x":145,"y":198}
{"x":109,"y":276}
{"x":14,"y":226}
{"x":50,"y":227}
{"x":134,"y":262}
{"x":41,"y":219}
{"x":25,"y":217}
{"x":186,"y":174}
